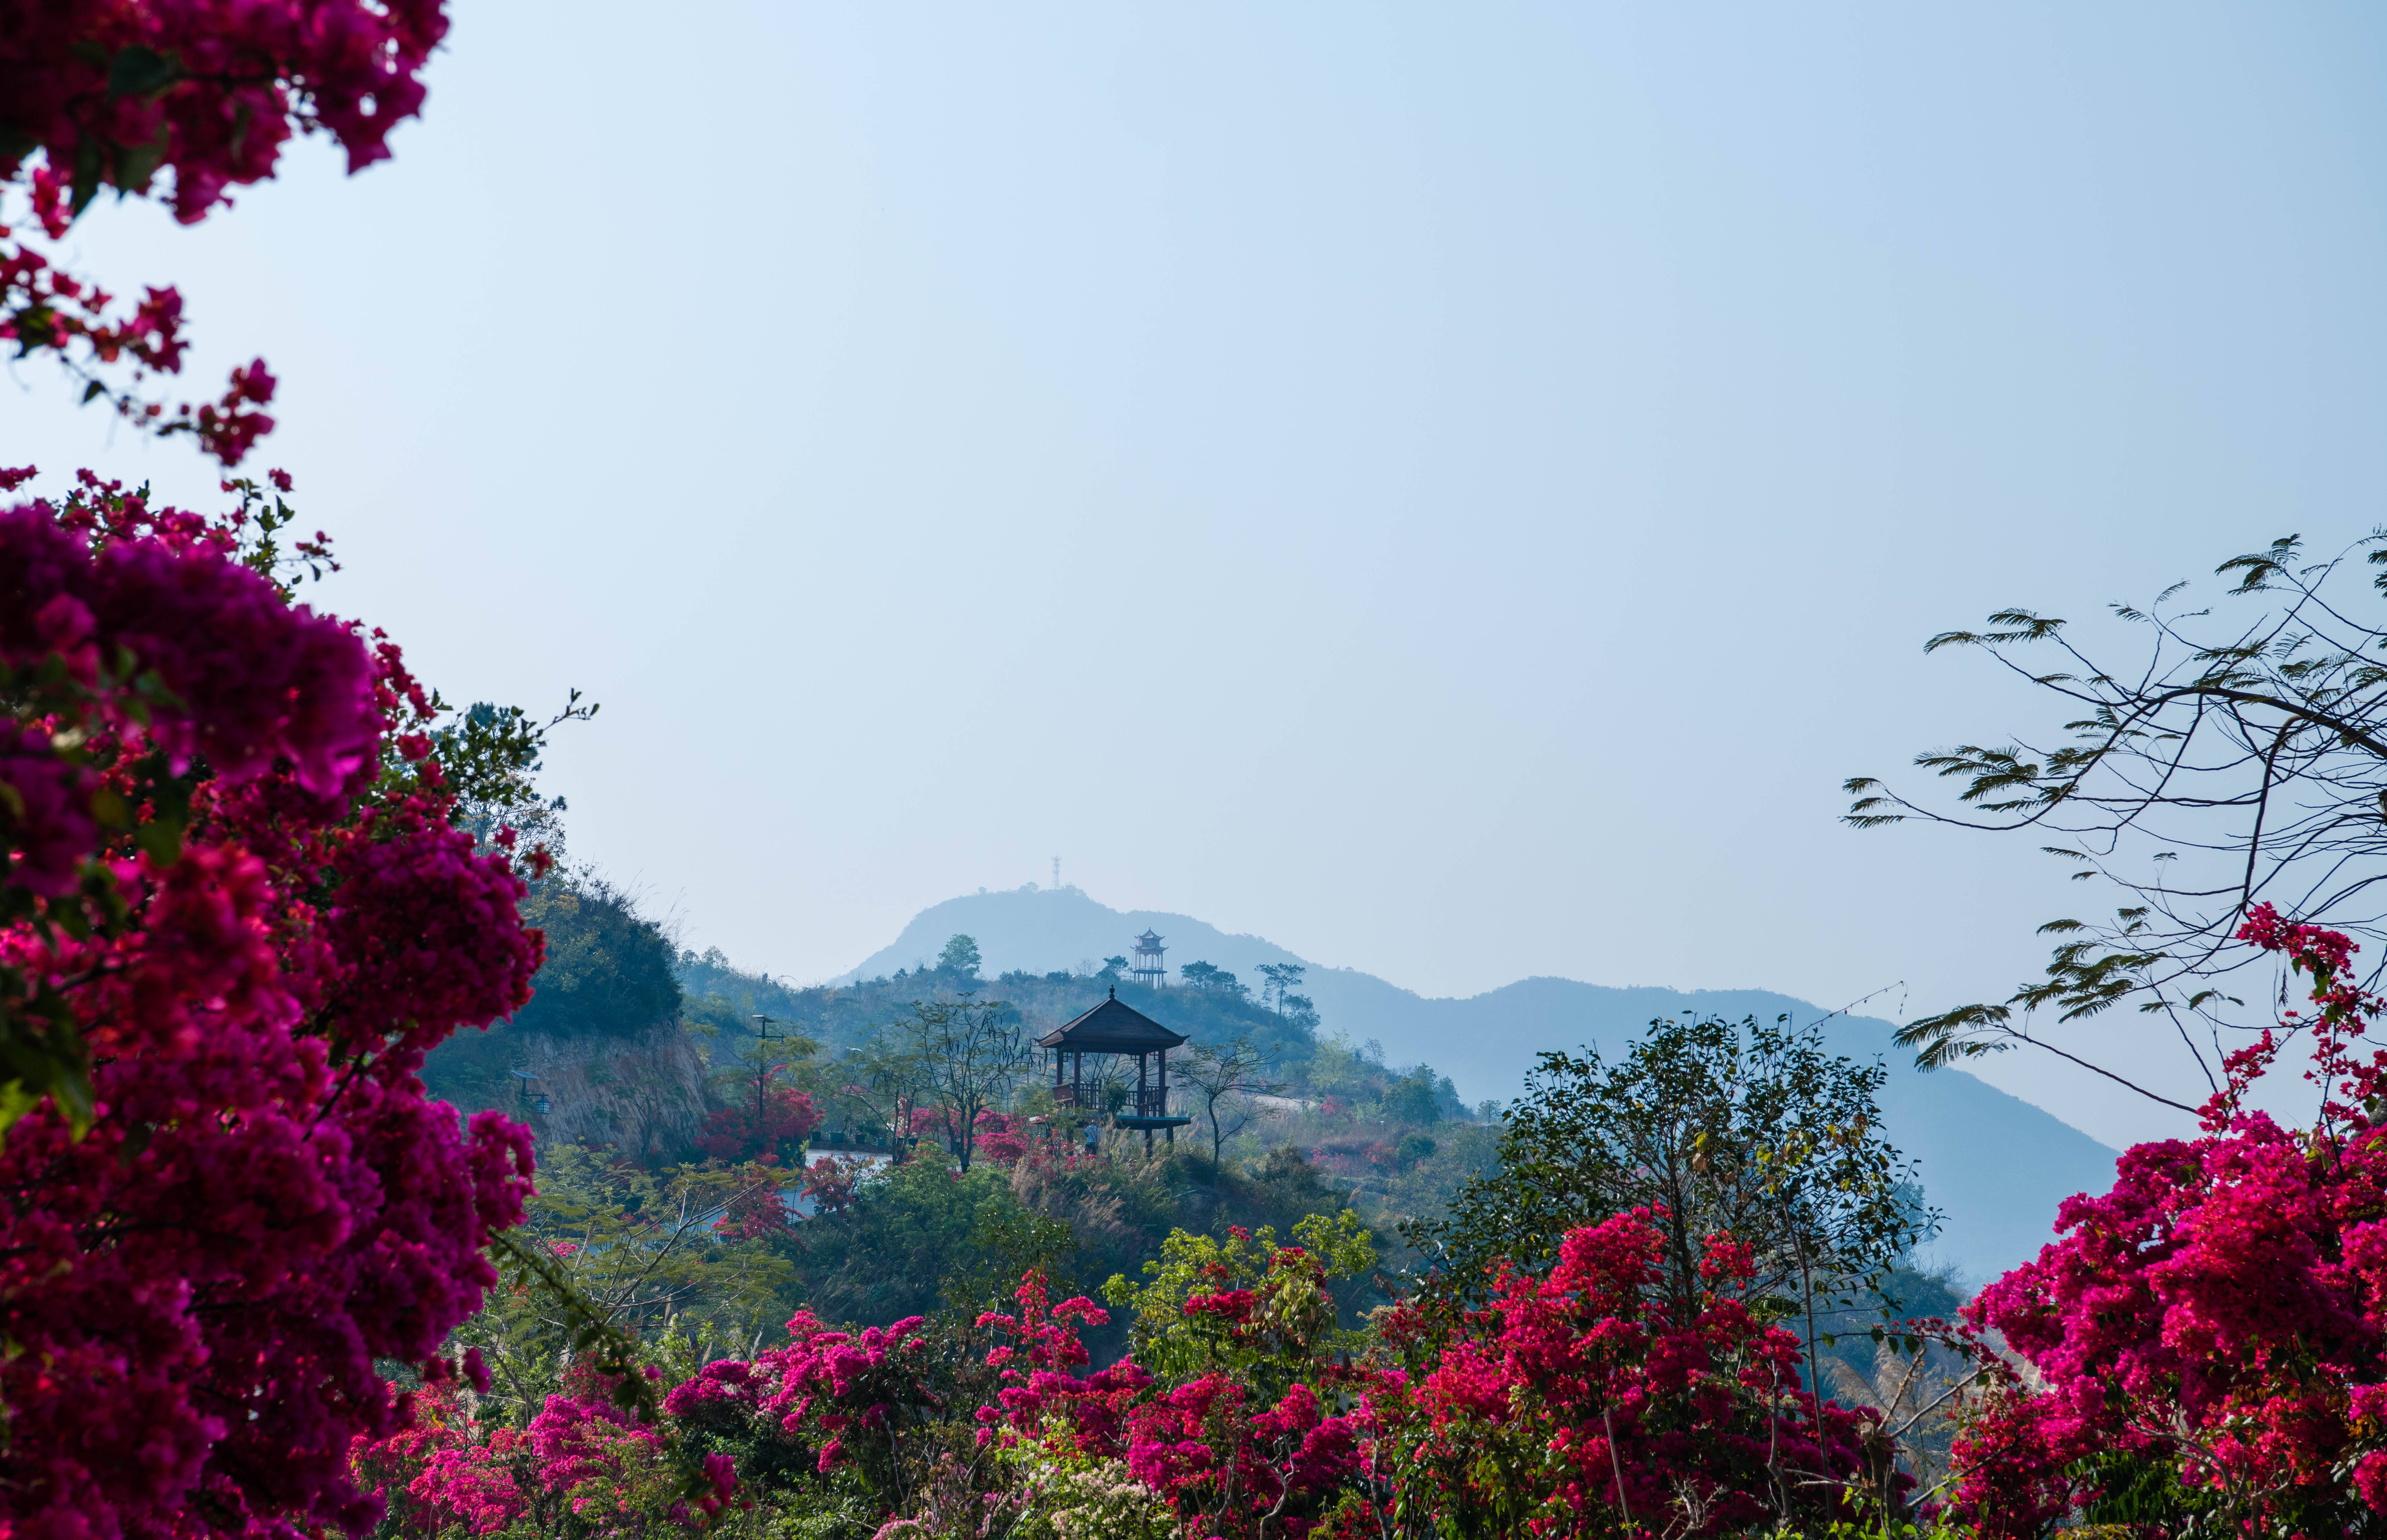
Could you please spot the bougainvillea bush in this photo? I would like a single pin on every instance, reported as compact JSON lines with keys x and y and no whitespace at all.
{"x":1580,"y":1403}
{"x":586,"y":1464}
{"x":1573,"y":1404}
{"x":2211,"y":1336}
{"x":235,"y":916}
{"x":1219,"y":1454}
{"x":1245,"y":1306}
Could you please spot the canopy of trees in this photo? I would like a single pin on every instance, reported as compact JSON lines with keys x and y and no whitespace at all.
{"x":609,"y":970}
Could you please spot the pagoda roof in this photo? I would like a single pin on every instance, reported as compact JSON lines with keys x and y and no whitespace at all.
{"x":1111,"y":1028}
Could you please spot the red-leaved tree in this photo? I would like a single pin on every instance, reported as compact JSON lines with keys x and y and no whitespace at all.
{"x":235,"y":916}
{"x":772,"y":1128}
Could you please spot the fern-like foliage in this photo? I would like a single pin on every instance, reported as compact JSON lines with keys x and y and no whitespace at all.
{"x":2242,"y":759}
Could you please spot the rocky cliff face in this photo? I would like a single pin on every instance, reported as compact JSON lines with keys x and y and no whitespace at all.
{"x":644,"y":1094}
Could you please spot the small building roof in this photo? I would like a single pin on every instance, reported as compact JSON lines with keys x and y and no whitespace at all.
{"x":1111,"y":1028}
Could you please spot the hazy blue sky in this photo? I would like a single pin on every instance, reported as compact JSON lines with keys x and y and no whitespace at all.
{"x":1453,"y":489}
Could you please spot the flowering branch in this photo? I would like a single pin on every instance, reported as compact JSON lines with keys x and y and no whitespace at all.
{"x":207,"y":92}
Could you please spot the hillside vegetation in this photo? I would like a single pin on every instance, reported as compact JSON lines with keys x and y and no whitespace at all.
{"x":1394,"y":1141}
{"x":1304,"y":1124}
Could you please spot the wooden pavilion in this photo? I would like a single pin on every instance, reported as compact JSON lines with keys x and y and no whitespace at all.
{"x":1111,"y":1028}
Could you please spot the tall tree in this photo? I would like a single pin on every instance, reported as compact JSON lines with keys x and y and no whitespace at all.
{"x":960,"y":957}
{"x":1750,"y":1128}
{"x":2241,"y":759}
{"x":1277,"y":980}
{"x":963,"y":1057}
{"x":1414,"y":1098}
{"x":875,"y":1086}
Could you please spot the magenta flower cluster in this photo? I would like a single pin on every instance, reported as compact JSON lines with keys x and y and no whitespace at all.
{"x":1041,"y":1400}
{"x":1585,"y":1403}
{"x":810,"y":1396}
{"x":2222,"y":1312}
{"x":196,"y":1287}
{"x":209,"y":90}
{"x":114,"y":92}
{"x":582,"y":1452}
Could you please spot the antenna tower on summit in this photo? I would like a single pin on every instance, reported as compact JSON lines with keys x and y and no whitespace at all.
{"x":1149,"y":968}
{"x":1057,"y":871}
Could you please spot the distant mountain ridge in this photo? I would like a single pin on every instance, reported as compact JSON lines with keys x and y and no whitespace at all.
{"x":1995,"y":1164}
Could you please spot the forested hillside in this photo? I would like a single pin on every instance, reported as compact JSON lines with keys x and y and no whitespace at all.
{"x":631,"y":1048}
{"x":1394,"y":1137}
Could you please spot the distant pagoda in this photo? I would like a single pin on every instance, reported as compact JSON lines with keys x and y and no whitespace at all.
{"x":1149,"y":968}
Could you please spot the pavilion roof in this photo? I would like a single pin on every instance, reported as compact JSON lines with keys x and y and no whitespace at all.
{"x":1111,"y":1028}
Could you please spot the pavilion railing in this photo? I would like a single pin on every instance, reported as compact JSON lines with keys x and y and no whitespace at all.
{"x":1150,"y":1102}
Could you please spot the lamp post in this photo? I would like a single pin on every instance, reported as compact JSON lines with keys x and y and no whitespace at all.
{"x":763,"y":1024}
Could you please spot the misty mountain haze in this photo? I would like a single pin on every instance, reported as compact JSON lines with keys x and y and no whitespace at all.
{"x":1995,"y":1164}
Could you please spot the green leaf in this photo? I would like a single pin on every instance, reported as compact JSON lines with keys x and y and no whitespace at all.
{"x":86,"y":173}
{"x":139,"y":71}
{"x":16,"y":1101}
{"x":161,"y":840}
{"x":135,"y":164}
{"x":44,"y":1061}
